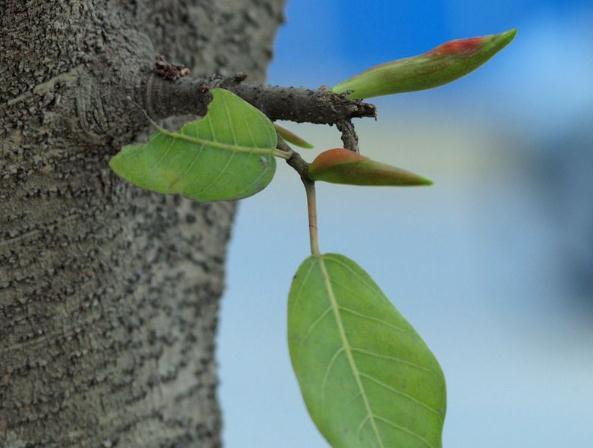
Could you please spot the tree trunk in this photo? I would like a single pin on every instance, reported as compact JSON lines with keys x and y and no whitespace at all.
{"x":108,"y":294}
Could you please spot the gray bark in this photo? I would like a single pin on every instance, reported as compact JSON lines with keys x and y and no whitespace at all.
{"x":108,"y":294}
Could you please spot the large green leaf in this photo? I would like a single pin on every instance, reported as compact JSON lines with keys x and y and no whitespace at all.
{"x":367,"y":377}
{"x":228,"y":154}
{"x":439,"y":66}
{"x":342,"y":166}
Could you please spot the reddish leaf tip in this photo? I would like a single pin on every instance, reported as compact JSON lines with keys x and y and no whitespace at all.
{"x":469,"y":46}
{"x":458,"y":47}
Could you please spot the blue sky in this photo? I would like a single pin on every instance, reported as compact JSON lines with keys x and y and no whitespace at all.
{"x":472,"y":262}
{"x":361,"y":33}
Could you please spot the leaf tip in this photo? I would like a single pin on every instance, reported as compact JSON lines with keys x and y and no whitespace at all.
{"x":497,"y":42}
{"x":509,"y":35}
{"x":424,"y":182}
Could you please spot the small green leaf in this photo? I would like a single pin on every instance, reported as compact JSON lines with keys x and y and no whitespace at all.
{"x":342,"y":166}
{"x":439,"y":66}
{"x":291,"y":137}
{"x":367,"y":377}
{"x":228,"y":154}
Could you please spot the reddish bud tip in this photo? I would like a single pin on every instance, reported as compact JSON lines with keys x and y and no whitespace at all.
{"x":458,"y":47}
{"x":336,"y":156}
{"x":342,"y":166}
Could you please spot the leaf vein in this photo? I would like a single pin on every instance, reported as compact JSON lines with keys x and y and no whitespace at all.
{"x":248,"y":127}
{"x":188,"y":169}
{"x":231,"y":123}
{"x":248,"y":188}
{"x":314,"y":324}
{"x":304,"y":281}
{"x":215,"y":143}
{"x":363,"y":280}
{"x":232,"y":156}
{"x":221,"y":173}
{"x":334,"y":358}
{"x":406,"y":430}
{"x":361,"y":425}
{"x":374,"y":319}
{"x":393,"y":358}
{"x":346,"y":345}
{"x":400,"y":393}
{"x":164,"y":155}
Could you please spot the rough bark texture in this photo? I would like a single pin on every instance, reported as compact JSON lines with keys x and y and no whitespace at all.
{"x":108,"y":295}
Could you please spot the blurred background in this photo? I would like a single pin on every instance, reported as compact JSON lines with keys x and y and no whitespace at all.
{"x":493,"y":264}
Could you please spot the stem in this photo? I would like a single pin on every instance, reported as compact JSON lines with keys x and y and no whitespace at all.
{"x":312,"y":212}
{"x":164,"y":98}
{"x":294,"y":159}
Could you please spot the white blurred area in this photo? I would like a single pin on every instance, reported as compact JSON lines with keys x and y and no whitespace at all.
{"x":481,"y":263}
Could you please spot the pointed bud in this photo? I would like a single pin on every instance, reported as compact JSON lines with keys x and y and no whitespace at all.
{"x":291,"y":137}
{"x":439,"y":66}
{"x":342,"y":166}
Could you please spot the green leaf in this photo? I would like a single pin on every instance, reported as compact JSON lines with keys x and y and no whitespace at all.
{"x":439,"y":66}
{"x":291,"y":137}
{"x":342,"y":166}
{"x":367,"y":377}
{"x":228,"y":154}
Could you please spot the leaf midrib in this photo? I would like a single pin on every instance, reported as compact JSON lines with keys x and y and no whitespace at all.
{"x":348,"y":349}
{"x":226,"y":146}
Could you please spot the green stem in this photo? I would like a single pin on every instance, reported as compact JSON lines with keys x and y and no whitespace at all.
{"x":312,"y":212}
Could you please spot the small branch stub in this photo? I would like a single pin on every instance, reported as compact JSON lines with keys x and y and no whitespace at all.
{"x":349,"y":137}
{"x":171,"y":72}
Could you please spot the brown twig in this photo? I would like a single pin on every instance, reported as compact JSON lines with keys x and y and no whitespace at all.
{"x":295,"y":160}
{"x":163,"y":98}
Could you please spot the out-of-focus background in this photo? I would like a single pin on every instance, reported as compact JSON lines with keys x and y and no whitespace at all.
{"x":493,"y":264}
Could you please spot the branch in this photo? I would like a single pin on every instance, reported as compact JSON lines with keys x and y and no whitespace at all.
{"x":163,"y":98}
{"x":349,"y":137}
{"x":295,"y":160}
